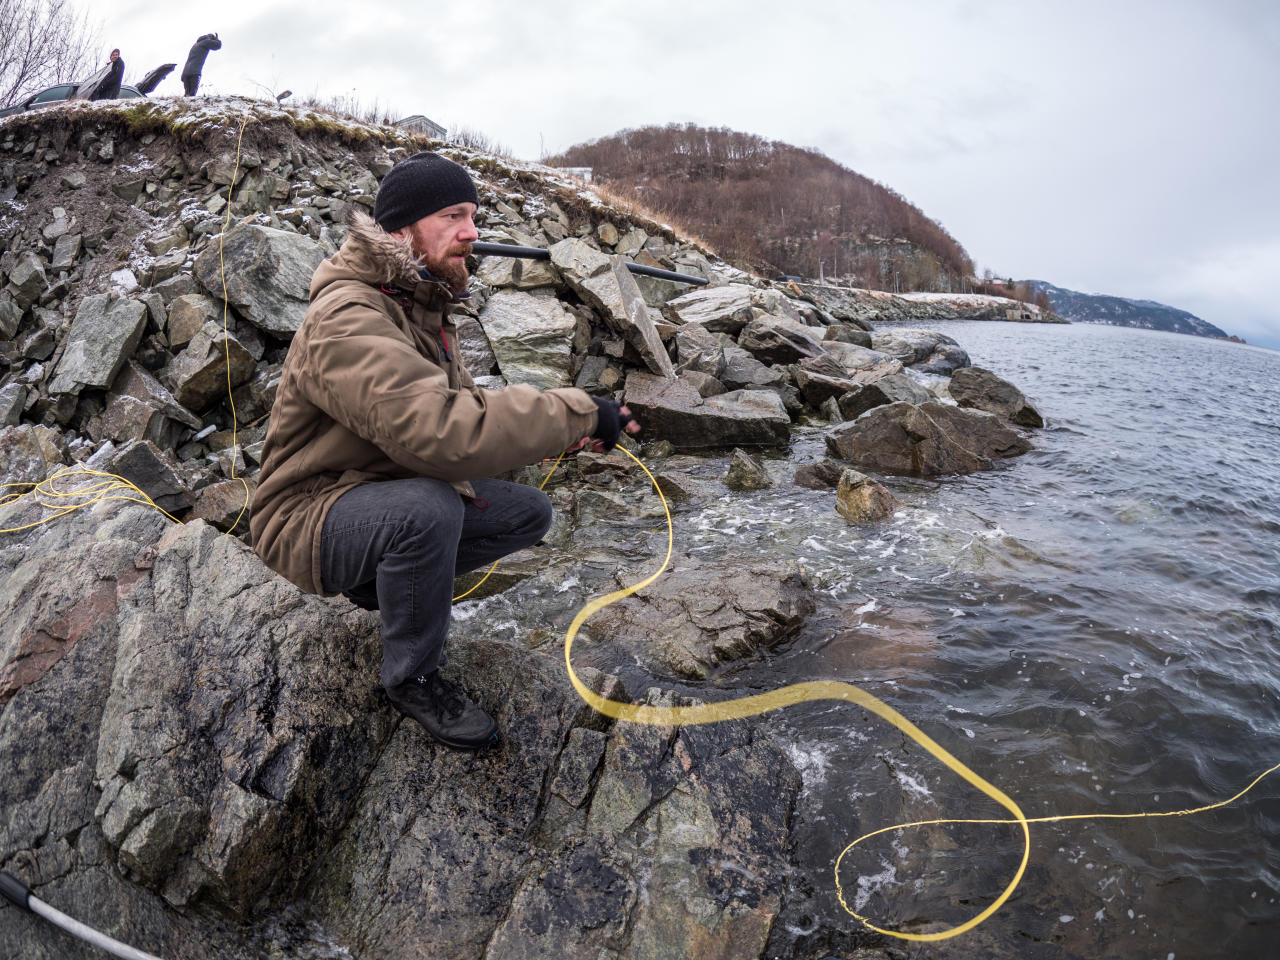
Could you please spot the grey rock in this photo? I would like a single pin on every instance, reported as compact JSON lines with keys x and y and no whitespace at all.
{"x":13,"y":399}
{"x":706,"y":385}
{"x":31,"y":453}
{"x":858,"y":360}
{"x":925,"y":440}
{"x":146,"y":467}
{"x":605,"y":284}
{"x":823,"y":474}
{"x":742,"y":371}
{"x":268,"y":275}
{"x":66,"y":250}
{"x":847,"y":333}
{"x":982,"y":390}
{"x":473,"y":347}
{"x":139,"y":407}
{"x":198,"y":375}
{"x":517,"y":272}
{"x":724,"y":309}
{"x":746,"y":473}
{"x":10,"y":316}
{"x":771,"y":341}
{"x":255,"y":398}
{"x":926,"y":350}
{"x":697,"y":348}
{"x":531,"y":338}
{"x":188,"y":314}
{"x":27,"y":279}
{"x":673,"y":410}
{"x":105,"y":332}
{"x":859,"y":499}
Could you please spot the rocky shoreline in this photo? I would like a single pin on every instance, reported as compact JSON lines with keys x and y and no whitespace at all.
{"x":199,"y":751}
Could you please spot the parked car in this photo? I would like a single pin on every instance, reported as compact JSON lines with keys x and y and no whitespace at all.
{"x":67,"y":91}
{"x":57,"y":94}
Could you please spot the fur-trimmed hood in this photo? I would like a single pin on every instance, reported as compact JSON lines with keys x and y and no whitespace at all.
{"x":380,"y":256}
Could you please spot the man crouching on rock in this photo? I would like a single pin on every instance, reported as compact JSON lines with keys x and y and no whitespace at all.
{"x":378,"y":437}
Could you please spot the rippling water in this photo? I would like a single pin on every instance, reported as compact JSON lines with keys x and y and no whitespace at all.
{"x":1093,"y":627}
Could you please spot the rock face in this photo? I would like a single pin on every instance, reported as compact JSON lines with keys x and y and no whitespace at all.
{"x":982,"y":390}
{"x":925,"y":440}
{"x":268,"y":274}
{"x":674,"y":410}
{"x":183,"y":729}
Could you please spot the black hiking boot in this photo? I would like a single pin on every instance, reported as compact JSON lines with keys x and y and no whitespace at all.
{"x":443,"y":708}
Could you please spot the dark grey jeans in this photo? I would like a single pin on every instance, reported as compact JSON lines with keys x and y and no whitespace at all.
{"x":395,"y":546}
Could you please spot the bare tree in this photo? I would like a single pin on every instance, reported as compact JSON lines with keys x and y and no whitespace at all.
{"x":42,"y":42}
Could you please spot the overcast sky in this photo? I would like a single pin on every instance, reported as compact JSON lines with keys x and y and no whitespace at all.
{"x":1119,"y":147}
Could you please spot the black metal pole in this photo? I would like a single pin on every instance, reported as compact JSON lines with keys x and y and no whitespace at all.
{"x":540,"y":253}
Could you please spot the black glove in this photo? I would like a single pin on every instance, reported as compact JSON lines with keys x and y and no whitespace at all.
{"x":609,"y":422}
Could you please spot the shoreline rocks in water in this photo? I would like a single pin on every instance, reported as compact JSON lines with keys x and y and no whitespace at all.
{"x":195,"y":747}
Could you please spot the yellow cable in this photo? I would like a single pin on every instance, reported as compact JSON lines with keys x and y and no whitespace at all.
{"x":226,"y":343}
{"x":792,"y":694}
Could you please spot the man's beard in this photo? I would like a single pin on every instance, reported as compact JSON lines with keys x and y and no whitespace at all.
{"x":453,"y":272}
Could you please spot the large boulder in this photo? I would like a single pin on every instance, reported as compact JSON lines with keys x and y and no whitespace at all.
{"x":604,"y":283}
{"x":27,"y":279}
{"x":925,"y":440}
{"x":926,"y":350}
{"x":674,"y":410}
{"x":894,"y":388}
{"x":531,"y":337}
{"x":103,"y":335}
{"x":981,"y":389}
{"x":181,"y":724}
{"x":771,"y":341}
{"x":724,"y":309}
{"x":268,"y":275}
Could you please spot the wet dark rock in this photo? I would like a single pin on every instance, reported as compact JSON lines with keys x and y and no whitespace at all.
{"x":982,"y":390}
{"x":925,"y":440}
{"x":821,"y":475}
{"x":694,"y":619}
{"x":674,"y":410}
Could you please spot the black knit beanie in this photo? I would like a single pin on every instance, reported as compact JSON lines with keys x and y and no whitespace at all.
{"x":418,"y":186}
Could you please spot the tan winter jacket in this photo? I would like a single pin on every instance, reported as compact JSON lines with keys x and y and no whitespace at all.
{"x":369,"y":393}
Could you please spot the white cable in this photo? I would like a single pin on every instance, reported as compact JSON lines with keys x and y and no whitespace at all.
{"x":86,"y":933}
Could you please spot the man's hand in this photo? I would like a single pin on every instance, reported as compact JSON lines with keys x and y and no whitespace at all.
{"x":612,"y":419}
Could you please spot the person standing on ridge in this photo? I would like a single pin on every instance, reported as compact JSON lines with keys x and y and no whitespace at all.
{"x":195,"y":62}
{"x":373,"y":471}
{"x":109,"y":86}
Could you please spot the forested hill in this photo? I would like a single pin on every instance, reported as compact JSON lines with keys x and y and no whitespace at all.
{"x":1122,"y":312}
{"x":776,"y":208}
